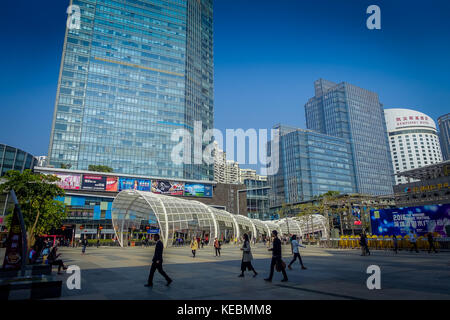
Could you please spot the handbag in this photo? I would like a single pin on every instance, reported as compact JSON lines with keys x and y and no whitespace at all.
{"x":280,"y":266}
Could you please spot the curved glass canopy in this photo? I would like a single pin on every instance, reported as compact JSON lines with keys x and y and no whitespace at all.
{"x":133,"y":209}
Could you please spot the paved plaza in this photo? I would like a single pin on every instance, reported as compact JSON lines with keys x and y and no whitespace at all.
{"x":116,"y":273}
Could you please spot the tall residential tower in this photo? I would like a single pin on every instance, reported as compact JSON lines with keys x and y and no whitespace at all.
{"x":133,"y":73}
{"x":347,"y":111}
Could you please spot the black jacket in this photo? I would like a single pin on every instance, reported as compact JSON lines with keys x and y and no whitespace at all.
{"x":158,"y":252}
{"x":276,"y":252}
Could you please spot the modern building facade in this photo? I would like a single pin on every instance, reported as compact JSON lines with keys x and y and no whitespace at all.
{"x":12,"y":159}
{"x":133,"y":73}
{"x":258,"y":203}
{"x":356,"y":114}
{"x":413,"y":140}
{"x":310,"y":164}
{"x":444,"y":135}
{"x":15,"y":159}
{"x":89,"y":196}
{"x":428,"y":185}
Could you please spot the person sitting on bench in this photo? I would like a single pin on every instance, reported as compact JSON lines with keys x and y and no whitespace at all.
{"x":53,"y":260}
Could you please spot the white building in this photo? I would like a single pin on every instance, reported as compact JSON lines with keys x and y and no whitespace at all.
{"x":250,"y":174}
{"x":413,"y":140}
{"x":225,"y":171}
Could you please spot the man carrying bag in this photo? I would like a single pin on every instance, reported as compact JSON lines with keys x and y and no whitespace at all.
{"x":276,"y":259}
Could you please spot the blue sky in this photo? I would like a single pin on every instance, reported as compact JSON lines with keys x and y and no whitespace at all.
{"x":267,"y":55}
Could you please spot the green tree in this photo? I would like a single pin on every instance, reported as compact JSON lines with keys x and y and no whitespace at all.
{"x":36,"y":194}
{"x":100,"y":168}
{"x":66,"y":166}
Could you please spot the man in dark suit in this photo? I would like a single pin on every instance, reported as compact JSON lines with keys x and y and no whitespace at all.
{"x":157,"y":263}
{"x":276,"y":257}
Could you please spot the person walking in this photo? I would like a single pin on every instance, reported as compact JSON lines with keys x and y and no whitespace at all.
{"x":84,"y":244}
{"x":157,"y":263}
{"x":194,"y":246}
{"x":431,"y":243}
{"x":295,"y":244}
{"x":247,"y":258}
{"x":395,"y":240}
{"x":363,"y":244}
{"x":413,"y":241}
{"x":217,"y":247}
{"x":276,"y":258}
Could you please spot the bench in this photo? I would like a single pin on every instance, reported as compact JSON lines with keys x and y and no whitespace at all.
{"x":33,"y":270}
{"x":41,"y":287}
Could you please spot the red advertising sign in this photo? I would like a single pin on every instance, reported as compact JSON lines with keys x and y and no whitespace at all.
{"x":112,"y":184}
{"x":13,"y":254}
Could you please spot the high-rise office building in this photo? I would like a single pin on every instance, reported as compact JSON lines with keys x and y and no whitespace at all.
{"x":310,"y":164}
{"x":444,"y":135}
{"x":413,"y":140}
{"x":133,"y":73}
{"x":347,"y":111}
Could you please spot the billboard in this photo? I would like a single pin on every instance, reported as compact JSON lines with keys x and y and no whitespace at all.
{"x":168,"y":187}
{"x":399,"y":221}
{"x":134,"y":184}
{"x":100,"y":183}
{"x":68,"y":181}
{"x":198,"y":190}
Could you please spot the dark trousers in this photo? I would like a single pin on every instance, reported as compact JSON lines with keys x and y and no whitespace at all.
{"x":84,"y":249}
{"x":297,"y":255}
{"x":414,"y":246}
{"x":432,"y":247}
{"x":157,"y":266}
{"x":193,"y":253}
{"x":247,"y":266}
{"x":273,"y":263}
{"x":58,"y":263}
{"x":217,"y":252}
{"x":396,"y":247}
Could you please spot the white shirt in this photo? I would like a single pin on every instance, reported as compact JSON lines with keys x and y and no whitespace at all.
{"x":295,"y":245}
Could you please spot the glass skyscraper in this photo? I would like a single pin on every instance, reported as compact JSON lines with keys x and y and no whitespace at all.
{"x":310,"y":164}
{"x":444,"y":135}
{"x":347,"y":111}
{"x":135,"y":71}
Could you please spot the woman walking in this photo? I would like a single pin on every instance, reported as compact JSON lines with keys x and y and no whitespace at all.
{"x":247,"y":258}
{"x":194,"y":246}
{"x":217,"y":247}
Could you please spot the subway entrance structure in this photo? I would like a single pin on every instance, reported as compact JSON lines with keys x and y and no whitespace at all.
{"x":132,"y":209}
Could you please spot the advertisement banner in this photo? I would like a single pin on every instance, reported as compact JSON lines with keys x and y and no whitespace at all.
{"x":134,"y":184}
{"x":68,"y":181}
{"x":100,"y":183}
{"x":168,"y":188}
{"x":421,"y":220}
{"x":13,"y":253}
{"x":112,"y":184}
{"x":198,"y":190}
